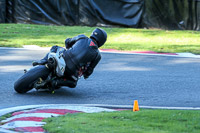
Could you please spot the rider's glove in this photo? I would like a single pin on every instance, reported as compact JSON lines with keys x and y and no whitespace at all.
{"x":67,"y":43}
{"x":85,"y":76}
{"x":88,"y":72}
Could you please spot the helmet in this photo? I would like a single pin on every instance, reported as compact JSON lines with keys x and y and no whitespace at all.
{"x":100,"y":36}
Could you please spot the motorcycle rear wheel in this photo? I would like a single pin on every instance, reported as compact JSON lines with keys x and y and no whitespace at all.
{"x":25,"y":83}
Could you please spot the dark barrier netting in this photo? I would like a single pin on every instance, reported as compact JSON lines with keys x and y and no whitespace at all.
{"x":197,"y":24}
{"x":2,"y":11}
{"x":172,"y":14}
{"x":78,"y":12}
{"x":166,"y":14}
{"x":59,"y":12}
{"x":111,"y":12}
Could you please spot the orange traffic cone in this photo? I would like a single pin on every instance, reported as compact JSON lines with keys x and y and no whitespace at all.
{"x":136,"y":106}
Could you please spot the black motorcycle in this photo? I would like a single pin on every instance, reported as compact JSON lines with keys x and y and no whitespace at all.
{"x":41,"y":76}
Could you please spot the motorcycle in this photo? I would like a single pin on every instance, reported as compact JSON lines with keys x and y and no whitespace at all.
{"x":40,"y":76}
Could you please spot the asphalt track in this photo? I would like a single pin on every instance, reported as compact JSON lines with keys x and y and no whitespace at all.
{"x":119,"y":79}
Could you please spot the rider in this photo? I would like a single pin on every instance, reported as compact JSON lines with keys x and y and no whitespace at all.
{"x":80,"y":51}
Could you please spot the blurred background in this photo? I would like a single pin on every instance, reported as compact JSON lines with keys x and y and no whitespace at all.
{"x":162,"y":14}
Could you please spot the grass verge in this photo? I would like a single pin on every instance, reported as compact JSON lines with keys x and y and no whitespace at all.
{"x":143,"y":121}
{"x":5,"y":117}
{"x":17,"y":35}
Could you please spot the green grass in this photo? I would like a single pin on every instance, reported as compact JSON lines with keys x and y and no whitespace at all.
{"x":17,"y":35}
{"x":143,"y":121}
{"x":5,"y":117}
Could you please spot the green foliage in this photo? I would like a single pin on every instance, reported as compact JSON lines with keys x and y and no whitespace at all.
{"x":143,"y":121}
{"x":17,"y":35}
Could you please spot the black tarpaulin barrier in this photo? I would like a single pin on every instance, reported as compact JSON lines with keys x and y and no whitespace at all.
{"x":10,"y":11}
{"x":111,"y":12}
{"x":165,"y":14}
{"x":2,"y":11}
{"x":78,"y":12}
{"x":59,"y":12}
{"x":172,"y":14}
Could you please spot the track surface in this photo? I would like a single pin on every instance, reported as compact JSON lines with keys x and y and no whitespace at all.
{"x":119,"y":79}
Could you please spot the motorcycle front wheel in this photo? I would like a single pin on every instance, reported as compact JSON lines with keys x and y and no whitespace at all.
{"x":25,"y":83}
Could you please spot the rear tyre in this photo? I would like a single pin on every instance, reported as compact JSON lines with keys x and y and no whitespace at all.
{"x":25,"y":83}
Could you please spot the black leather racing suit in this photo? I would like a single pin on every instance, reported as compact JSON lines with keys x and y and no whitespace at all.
{"x":81,"y":50}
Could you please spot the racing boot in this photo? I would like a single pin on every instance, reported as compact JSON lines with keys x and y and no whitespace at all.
{"x":41,"y":62}
{"x":63,"y":82}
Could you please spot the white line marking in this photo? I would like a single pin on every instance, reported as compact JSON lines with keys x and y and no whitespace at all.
{"x":174,"y":108}
{"x":65,"y":106}
{"x":188,"y":55}
{"x":45,"y":115}
{"x":13,"y":109}
{"x":15,"y":124}
{"x":90,"y":108}
{"x":79,"y":108}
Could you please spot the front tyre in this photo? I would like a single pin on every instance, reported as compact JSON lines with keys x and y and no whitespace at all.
{"x":25,"y":83}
